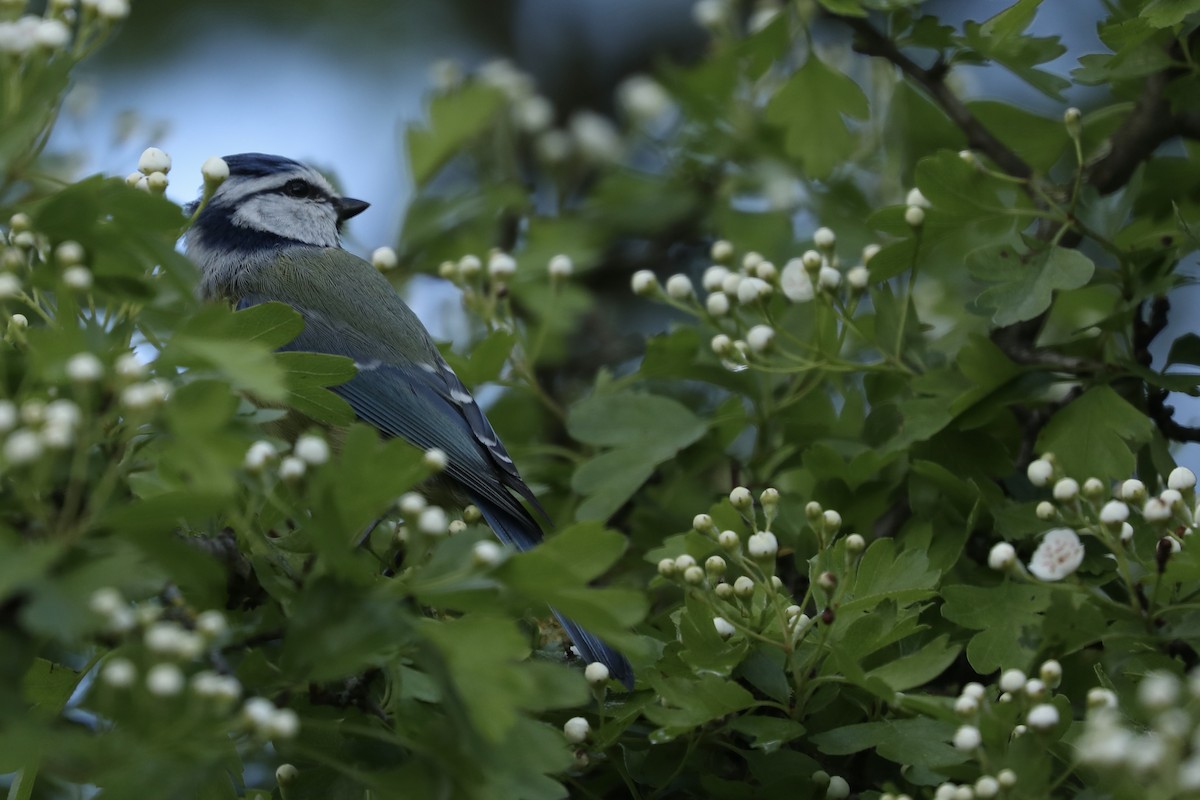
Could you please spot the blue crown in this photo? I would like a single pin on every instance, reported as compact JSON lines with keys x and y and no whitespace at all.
{"x":257,"y":165}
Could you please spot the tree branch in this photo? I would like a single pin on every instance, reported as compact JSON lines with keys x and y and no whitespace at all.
{"x":873,"y":43}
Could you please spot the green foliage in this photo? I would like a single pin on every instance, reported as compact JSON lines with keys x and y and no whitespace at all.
{"x":215,"y":584}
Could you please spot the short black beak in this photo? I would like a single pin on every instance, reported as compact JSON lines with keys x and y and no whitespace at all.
{"x":348,"y":207}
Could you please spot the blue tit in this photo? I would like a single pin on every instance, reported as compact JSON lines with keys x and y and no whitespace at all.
{"x":270,"y":232}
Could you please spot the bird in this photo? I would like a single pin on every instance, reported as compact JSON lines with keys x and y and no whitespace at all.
{"x":271,"y":231}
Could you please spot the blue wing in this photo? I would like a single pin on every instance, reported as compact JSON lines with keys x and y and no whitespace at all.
{"x":425,"y":403}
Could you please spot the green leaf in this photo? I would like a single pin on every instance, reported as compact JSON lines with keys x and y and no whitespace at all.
{"x":455,"y":118}
{"x":883,"y":574}
{"x":919,"y":742}
{"x":809,"y":108}
{"x":1093,"y":434}
{"x":269,"y":324}
{"x":685,"y":704}
{"x":1025,"y":282}
{"x":1001,"y":39}
{"x":919,"y":668}
{"x":47,"y":686}
{"x":306,"y":376}
{"x":1185,"y":350}
{"x":1168,"y":13}
{"x":767,"y":733}
{"x":1008,"y":616}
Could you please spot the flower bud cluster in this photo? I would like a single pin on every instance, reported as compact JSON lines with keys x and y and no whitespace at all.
{"x":1153,"y":743}
{"x":1111,"y":515}
{"x":737,"y":299}
{"x":309,"y":450}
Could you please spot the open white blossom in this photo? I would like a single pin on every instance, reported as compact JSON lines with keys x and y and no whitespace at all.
{"x":1059,"y":555}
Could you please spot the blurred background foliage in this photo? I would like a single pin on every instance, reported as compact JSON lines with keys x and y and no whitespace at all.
{"x":794,"y":471}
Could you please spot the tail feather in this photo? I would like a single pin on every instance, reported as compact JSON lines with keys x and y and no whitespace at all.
{"x":524,"y":534}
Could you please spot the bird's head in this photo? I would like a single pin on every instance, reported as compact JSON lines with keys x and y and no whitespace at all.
{"x":268,"y":202}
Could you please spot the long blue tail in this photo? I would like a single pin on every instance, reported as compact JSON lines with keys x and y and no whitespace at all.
{"x":516,"y":532}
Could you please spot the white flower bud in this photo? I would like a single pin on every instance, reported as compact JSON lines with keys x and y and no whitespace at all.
{"x":211,"y":624}
{"x":643,"y":98}
{"x":576,"y":730}
{"x":501,"y":266}
{"x":1114,"y":512}
{"x":1043,"y":717}
{"x":724,"y":590}
{"x":743,"y":587}
{"x":113,"y":11}
{"x":915,"y":198}
{"x":914,"y":216}
{"x":1100,"y":698}
{"x":680,"y":287}
{"x":752,"y":290}
{"x":435,"y":459}
{"x":666,"y":567}
{"x":858,"y":278}
{"x":486,"y":554}
{"x":384,"y":258}
{"x":292,"y":468}
{"x":767,"y":271}
{"x":717,"y":304}
{"x":312,"y":449}
{"x":693,"y":575}
{"x":469,"y":266}
{"x":1072,"y":118}
{"x":1126,"y":532}
{"x":966,"y":706}
{"x":722,"y":345}
{"x":432,"y":521}
{"x":855,"y":544}
{"x":729,"y":540}
{"x":106,"y":601}
{"x":533,"y":114}
{"x":596,"y":137}
{"x":828,"y":278}
{"x":1132,"y":490}
{"x":10,"y":286}
{"x":974,"y":690}
{"x":164,"y":680}
{"x":741,"y":498}
{"x":134,"y":179}
{"x":8,"y":415}
{"x":84,"y":368}
{"x":77,"y":278}
{"x":257,"y":712}
{"x":69,"y":253}
{"x":760,"y":338}
{"x":1006,"y":778}
{"x":154,"y":160}
{"x":596,"y":674}
{"x":762,"y":545}
{"x":214,"y":170}
{"x":714,"y":278}
{"x":967,"y":738}
{"x":1035,"y":688}
{"x":119,"y":673}
{"x":1158,"y":691}
{"x":710,"y":14}
{"x":1155,"y":510}
{"x":560,"y":267}
{"x":644,"y":283}
{"x":283,"y":724}
{"x":258,"y":455}
{"x":1046,"y":510}
{"x":811,"y":260}
{"x":824,"y":238}
{"x":731,"y":283}
{"x":683,"y":562}
{"x":1172,"y":498}
{"x":715,"y":565}
{"x":1012,"y":680}
{"x":1093,"y":488}
{"x":1002,"y":557}
{"x":1051,"y":673}
{"x":1066,"y":490}
{"x":286,"y":774}
{"x":1181,"y":479}
{"x":702,"y":523}
{"x":838,"y":788}
{"x":724,"y":628}
{"x":831,"y":520}
{"x":157,"y":181}
{"x":750,"y":262}
{"x":987,"y":787}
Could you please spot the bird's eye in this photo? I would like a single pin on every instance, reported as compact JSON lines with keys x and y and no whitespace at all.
{"x":298,"y":188}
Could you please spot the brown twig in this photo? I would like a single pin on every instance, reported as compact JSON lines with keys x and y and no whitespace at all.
{"x":873,"y":43}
